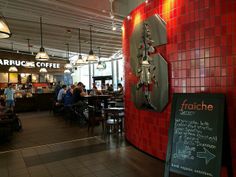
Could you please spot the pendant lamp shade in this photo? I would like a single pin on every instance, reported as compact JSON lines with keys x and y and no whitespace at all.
{"x":13,"y":69}
{"x":41,"y":55}
{"x":80,"y":59}
{"x":67,"y":71}
{"x":91,"y":57}
{"x":4,"y":29}
{"x":43,"y":70}
{"x":68,"y":65}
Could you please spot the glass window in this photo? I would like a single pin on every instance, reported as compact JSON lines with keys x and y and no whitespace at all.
{"x":105,"y":72}
{"x":84,"y":75}
{"x":121,"y":71}
{"x":114,"y":74}
{"x":13,"y":77}
{"x":4,"y":77}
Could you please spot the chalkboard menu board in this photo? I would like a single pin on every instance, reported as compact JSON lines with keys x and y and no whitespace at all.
{"x":195,"y":135}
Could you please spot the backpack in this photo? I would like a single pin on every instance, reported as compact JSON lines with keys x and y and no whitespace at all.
{"x":17,"y":125}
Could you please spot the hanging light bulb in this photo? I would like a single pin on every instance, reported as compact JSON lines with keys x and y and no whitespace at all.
{"x":67,"y":71}
{"x":80,"y":60}
{"x":41,"y":55}
{"x":91,"y":57}
{"x":113,"y":26}
{"x":101,"y":65}
{"x":68,"y":65}
{"x":43,"y":70}
{"x":4,"y":29}
{"x":13,"y":69}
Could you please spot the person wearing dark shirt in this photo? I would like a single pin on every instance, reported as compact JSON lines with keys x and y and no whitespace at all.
{"x":78,"y":93}
{"x":68,"y":99}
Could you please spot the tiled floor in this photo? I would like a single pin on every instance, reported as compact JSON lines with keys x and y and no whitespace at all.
{"x":49,"y":146}
{"x":90,"y":157}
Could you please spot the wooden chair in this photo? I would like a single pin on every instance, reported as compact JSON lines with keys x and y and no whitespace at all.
{"x":95,"y":117}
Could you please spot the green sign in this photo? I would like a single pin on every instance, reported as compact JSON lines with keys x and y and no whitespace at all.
{"x":195,"y":135}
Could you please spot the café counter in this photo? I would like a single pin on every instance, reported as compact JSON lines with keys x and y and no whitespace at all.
{"x":35,"y":102}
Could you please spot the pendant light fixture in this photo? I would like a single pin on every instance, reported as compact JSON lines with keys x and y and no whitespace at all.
{"x":43,"y":70}
{"x":80,"y":60}
{"x":67,"y":71}
{"x":13,"y":69}
{"x":4,"y":29}
{"x":101,"y":65}
{"x":91,"y":57}
{"x":68,"y":65}
{"x":42,"y":55}
{"x":29,"y":64}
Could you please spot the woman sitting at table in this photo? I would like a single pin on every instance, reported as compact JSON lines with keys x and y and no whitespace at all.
{"x":95,"y":90}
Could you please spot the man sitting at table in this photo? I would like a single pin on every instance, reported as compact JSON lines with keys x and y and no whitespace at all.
{"x":78,"y":93}
{"x":78,"y":101}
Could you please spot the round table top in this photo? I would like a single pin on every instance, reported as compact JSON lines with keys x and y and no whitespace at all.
{"x":114,"y":109}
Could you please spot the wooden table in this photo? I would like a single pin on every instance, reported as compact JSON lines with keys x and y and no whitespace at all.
{"x":92,"y":99}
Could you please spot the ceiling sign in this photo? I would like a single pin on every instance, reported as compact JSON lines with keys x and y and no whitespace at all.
{"x":24,"y":63}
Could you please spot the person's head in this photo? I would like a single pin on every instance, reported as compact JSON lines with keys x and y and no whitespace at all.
{"x":64,"y":87}
{"x":119,"y":85}
{"x":10,"y":85}
{"x":80,"y":85}
{"x":58,"y":82}
{"x":72,"y":86}
{"x":94,"y":85}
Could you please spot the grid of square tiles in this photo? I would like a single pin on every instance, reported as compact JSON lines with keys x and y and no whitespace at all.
{"x":117,"y":161}
{"x":201,"y":53}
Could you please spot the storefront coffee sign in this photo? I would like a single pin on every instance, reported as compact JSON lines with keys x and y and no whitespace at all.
{"x":195,"y":135}
{"x":23,"y":63}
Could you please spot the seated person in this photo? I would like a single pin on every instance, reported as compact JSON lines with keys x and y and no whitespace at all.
{"x":78,"y":93}
{"x":78,"y":101}
{"x":120,"y":89}
{"x":120,"y":92}
{"x":68,"y":98}
{"x":95,"y":90}
{"x":61,"y":94}
{"x":109,"y":88}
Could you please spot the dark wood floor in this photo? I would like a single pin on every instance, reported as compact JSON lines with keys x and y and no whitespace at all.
{"x":41,"y":128}
{"x":49,"y":146}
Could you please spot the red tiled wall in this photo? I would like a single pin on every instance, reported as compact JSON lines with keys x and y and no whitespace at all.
{"x":201,"y":54}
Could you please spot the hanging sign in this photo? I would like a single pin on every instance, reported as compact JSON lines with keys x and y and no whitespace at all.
{"x":24,"y":63}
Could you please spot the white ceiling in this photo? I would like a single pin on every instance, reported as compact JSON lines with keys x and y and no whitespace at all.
{"x":61,"y":20}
